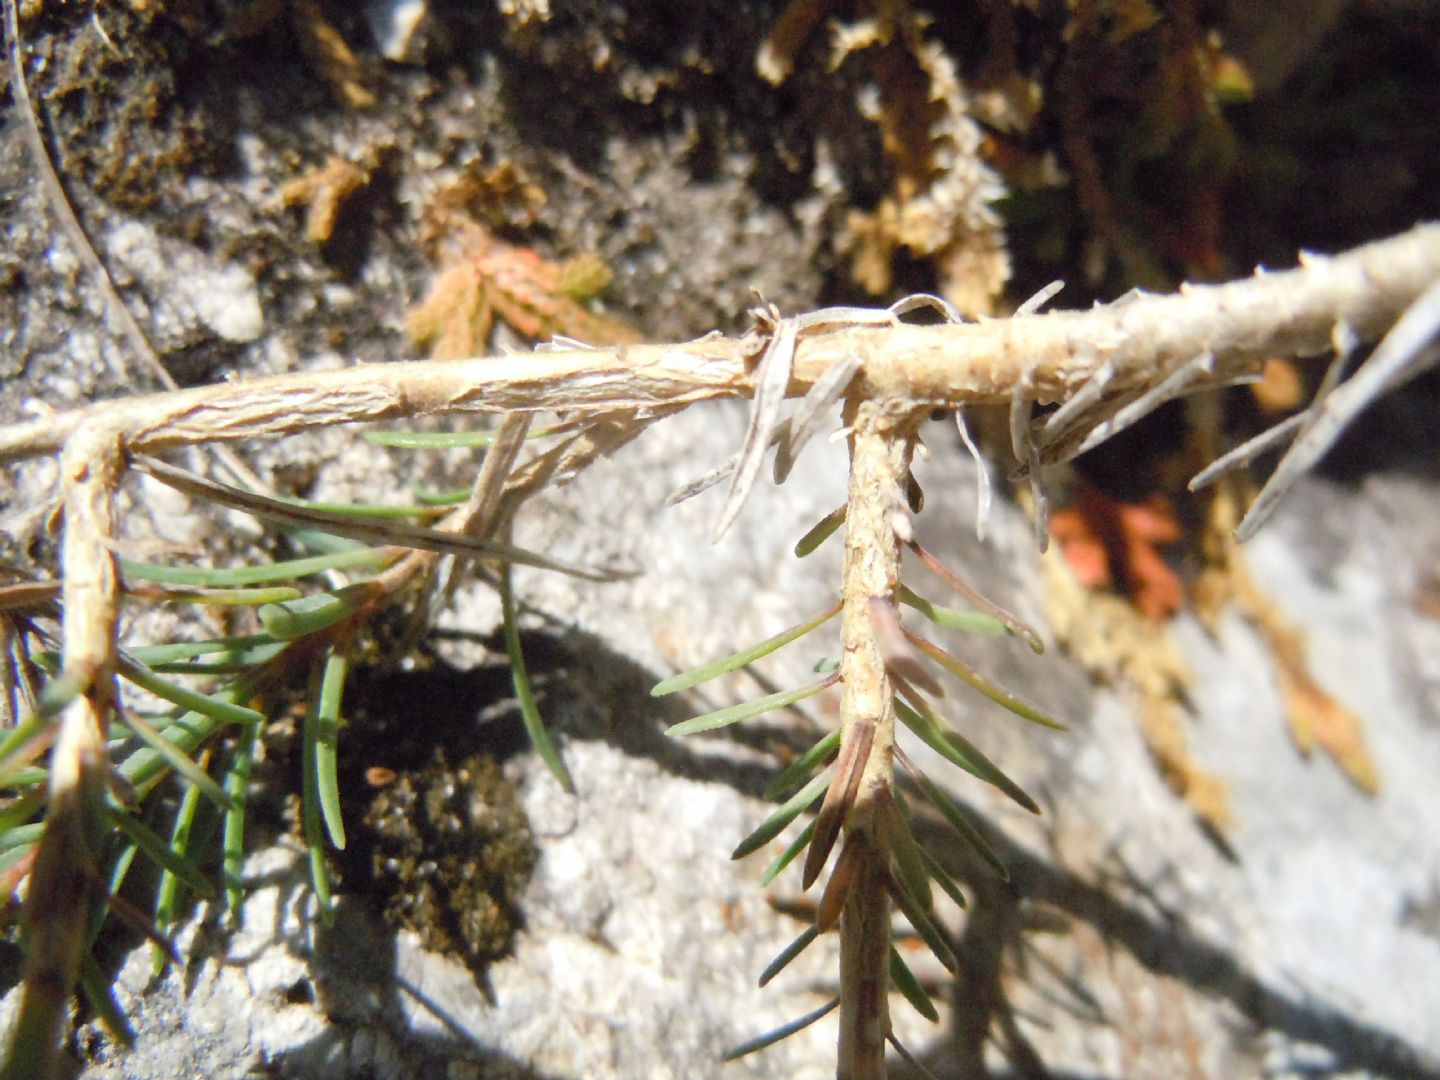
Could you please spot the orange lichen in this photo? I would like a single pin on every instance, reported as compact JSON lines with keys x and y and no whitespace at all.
{"x":1109,"y":542}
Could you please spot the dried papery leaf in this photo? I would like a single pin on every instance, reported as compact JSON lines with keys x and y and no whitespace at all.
{"x":992,"y":690}
{"x":782,"y":1032}
{"x":821,"y":531}
{"x":786,"y":857}
{"x":1248,"y":451}
{"x":1407,"y":350}
{"x":772,"y":378}
{"x":790,"y":952}
{"x":799,"y":769}
{"x":982,"y":478}
{"x":390,"y":533}
{"x":1022,"y":442}
{"x":1039,"y":299}
{"x":927,"y":931}
{"x":837,"y":889}
{"x":1180,"y":381}
{"x":776,"y":56}
{"x":903,"y":979}
{"x":745,"y":710}
{"x":900,"y":660}
{"x":839,"y":798}
{"x":958,"y":821}
{"x":977,"y":601}
{"x":686,"y":680}
{"x":955,"y":748}
{"x":777,"y":822}
{"x":1073,"y":413}
{"x":806,"y":421}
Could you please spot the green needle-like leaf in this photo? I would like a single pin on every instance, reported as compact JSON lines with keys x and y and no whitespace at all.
{"x":439,"y":440}
{"x":927,"y":931}
{"x":524,"y":694}
{"x":168,"y":892}
{"x":940,"y":877}
{"x":362,"y":511}
{"x":786,"y":857}
{"x":237,"y":786}
{"x":313,"y":828}
{"x":322,"y":725}
{"x":270,"y":594}
{"x":972,"y":622}
{"x":909,"y":986}
{"x":821,"y":531}
{"x":803,"y":766}
{"x":784,"y":1031}
{"x":158,"y":851}
{"x":685,"y":680}
{"x":453,"y":497}
{"x":776,"y":823}
{"x":744,"y":711}
{"x":351,"y":558}
{"x":144,"y":767}
{"x":237,"y":652}
{"x":908,"y":862}
{"x":790,"y":952}
{"x":310,"y":614}
{"x":99,"y":993}
{"x":958,"y":821}
{"x":216,"y":707}
{"x":993,"y":691}
{"x":200,"y":781}
{"x":957,"y":750}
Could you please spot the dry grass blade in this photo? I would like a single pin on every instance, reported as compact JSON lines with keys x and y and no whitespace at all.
{"x":899,"y":659}
{"x":982,"y":478}
{"x":772,"y":378}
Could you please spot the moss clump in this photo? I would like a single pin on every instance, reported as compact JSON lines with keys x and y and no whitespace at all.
{"x":449,"y":853}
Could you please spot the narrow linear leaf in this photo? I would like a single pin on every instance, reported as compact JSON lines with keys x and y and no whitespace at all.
{"x":909,"y":1058}
{"x":926,"y":930}
{"x":319,"y":542}
{"x":971,"y":622}
{"x":167,"y":894}
{"x":450,"y":497}
{"x":21,"y":836}
{"x":772,"y":376}
{"x":908,"y":862}
{"x":216,"y":707}
{"x":837,"y":889}
{"x":956,"y":750}
{"x":200,"y":781}
{"x":784,"y":1031}
{"x":144,"y":767}
{"x":242,"y":650}
{"x":272,"y":594}
{"x":958,"y":821}
{"x":313,"y":828}
{"x":909,"y":986}
{"x":119,"y":871}
{"x":100,"y":995}
{"x":744,"y":711}
{"x":900,"y":660}
{"x":237,"y":786}
{"x":524,"y":693}
{"x":362,"y":511}
{"x":777,"y":822}
{"x":943,"y":879}
{"x":803,"y":766}
{"x":311,"y":614}
{"x":350,"y":558}
{"x":439,"y":440}
{"x":977,"y":600}
{"x":786,"y":857}
{"x":994,"y":691}
{"x":23,"y":744}
{"x":821,"y":531}
{"x":686,"y":679}
{"x":158,"y":851}
{"x":790,"y":952}
{"x":19,"y":812}
{"x":322,"y":724}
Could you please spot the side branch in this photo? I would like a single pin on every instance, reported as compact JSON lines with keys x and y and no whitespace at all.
{"x":1136,"y":341}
